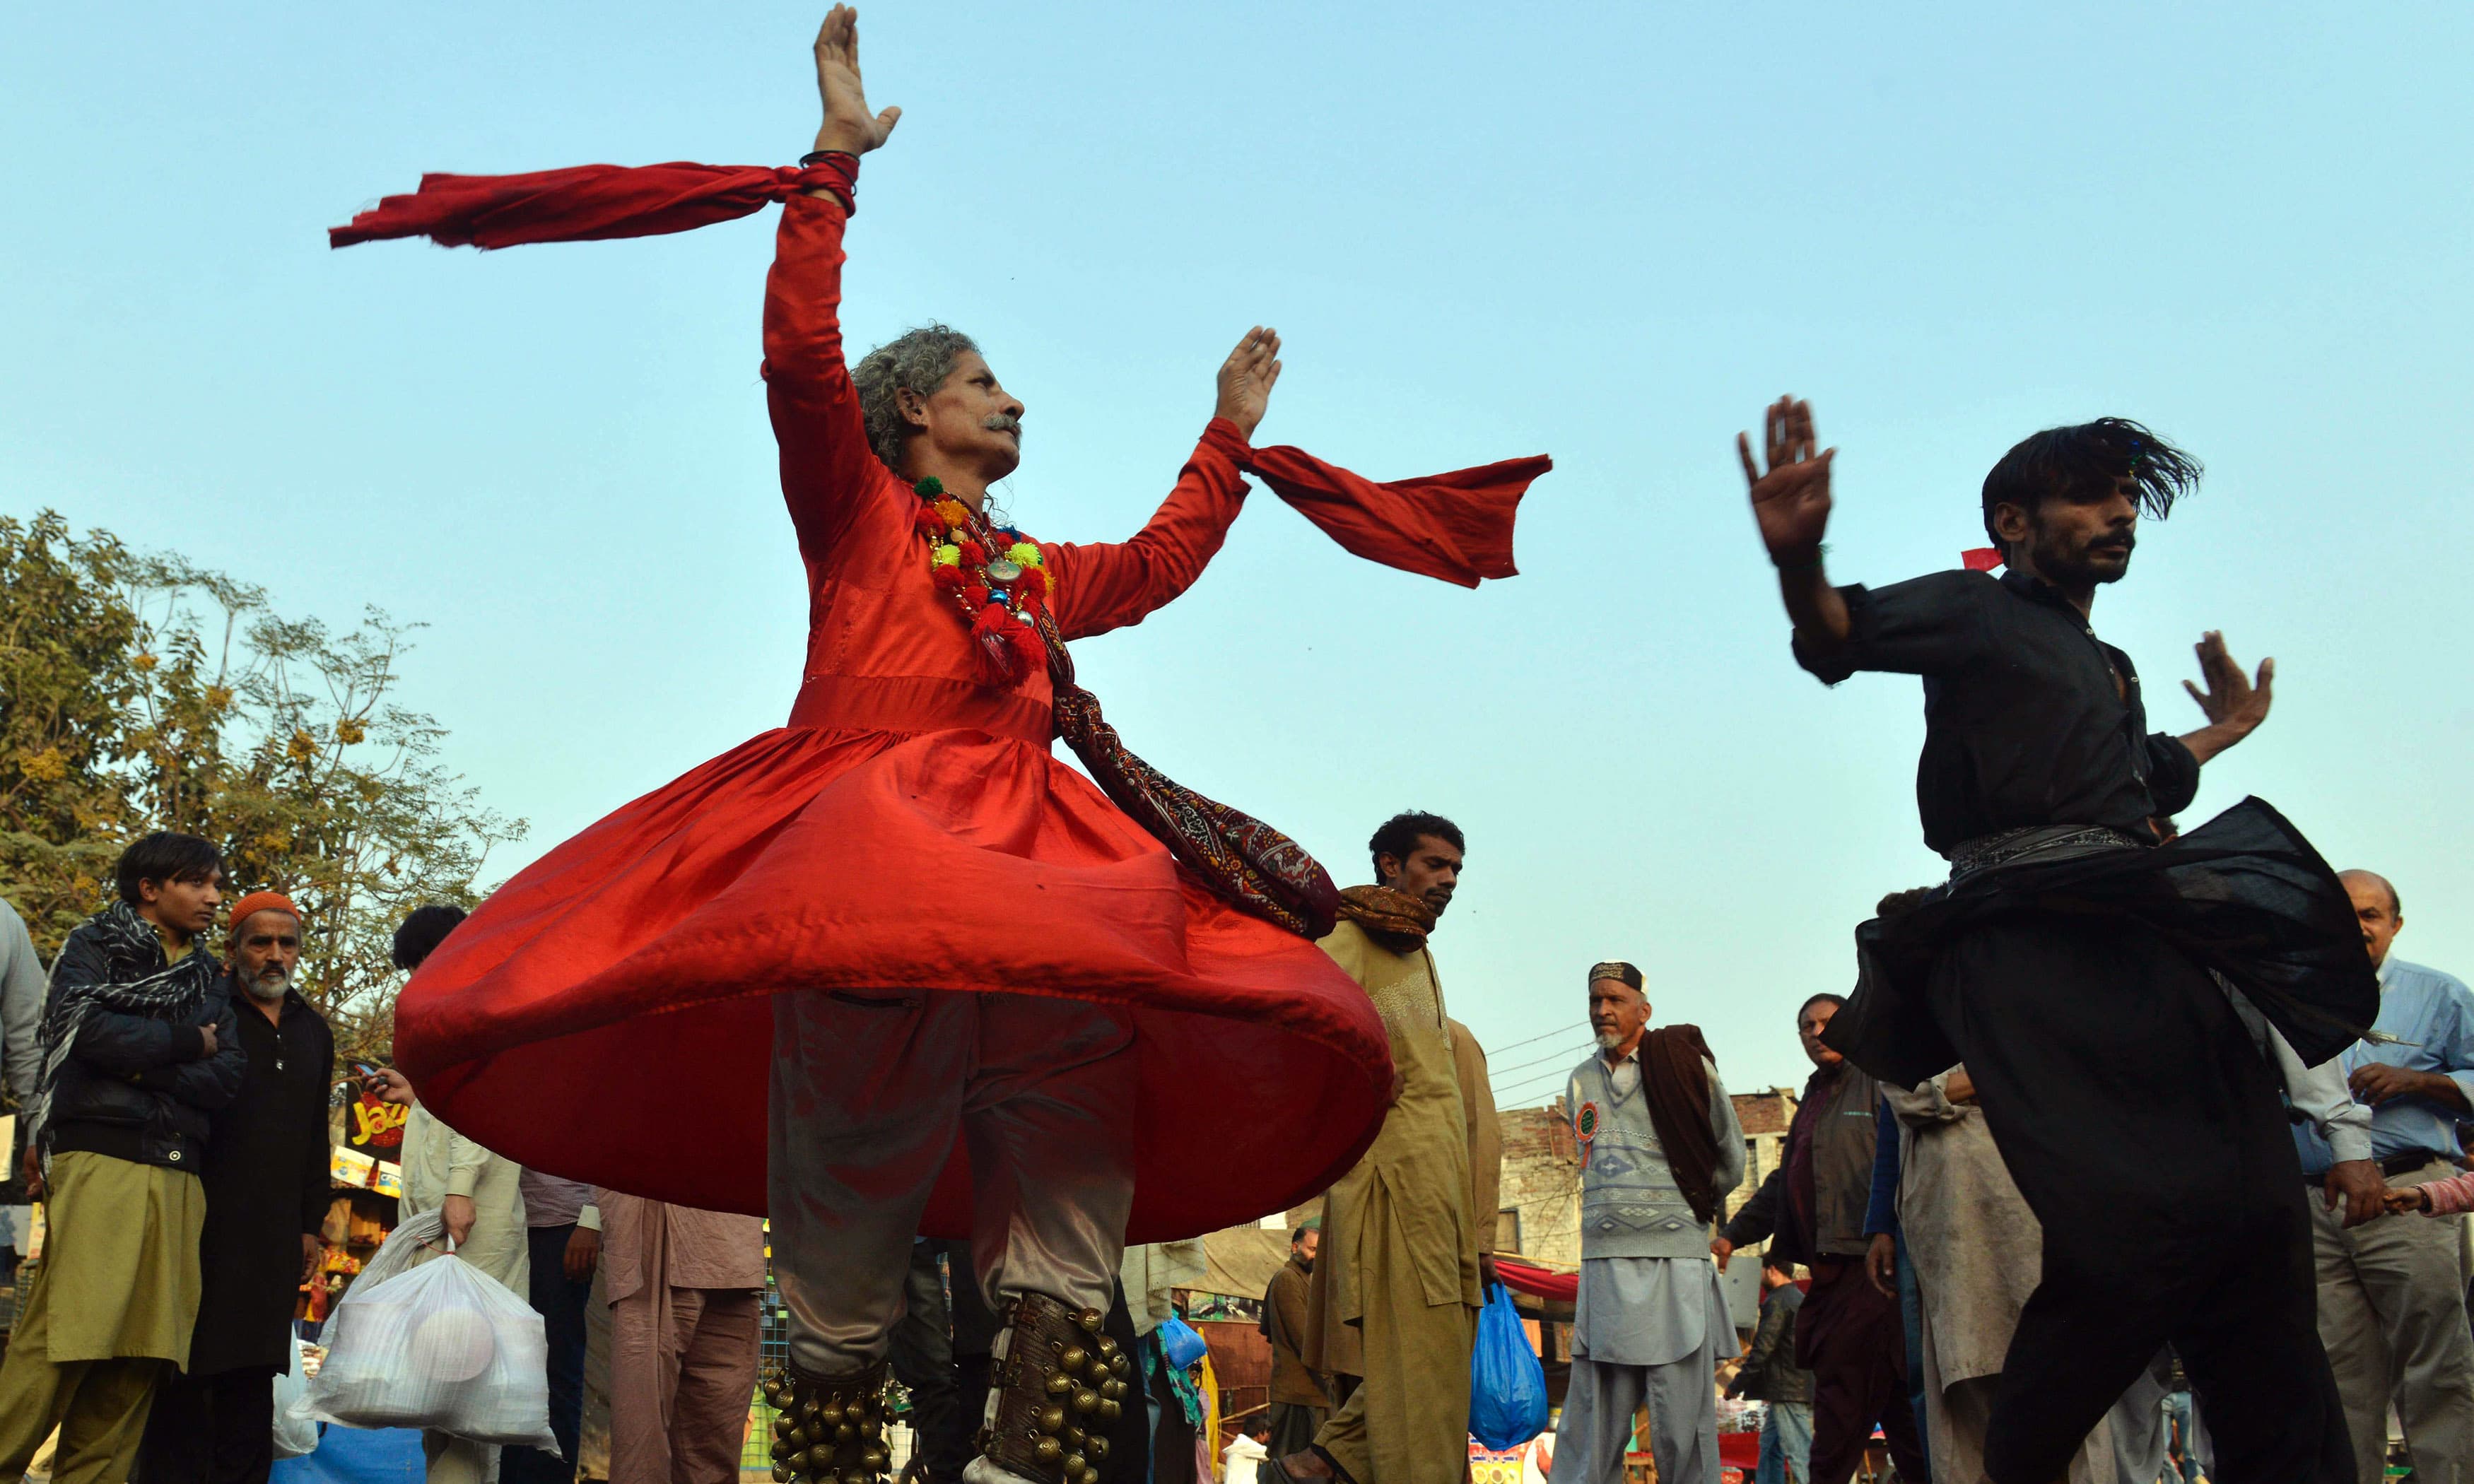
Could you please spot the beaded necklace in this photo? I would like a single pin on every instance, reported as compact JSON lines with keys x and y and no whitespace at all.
{"x":995,"y":573}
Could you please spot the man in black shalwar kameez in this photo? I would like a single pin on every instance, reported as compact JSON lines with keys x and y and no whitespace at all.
{"x":267,"y":1192}
{"x":2079,"y":969}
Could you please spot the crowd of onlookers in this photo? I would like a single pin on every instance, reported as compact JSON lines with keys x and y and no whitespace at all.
{"x":176,"y":1089}
{"x":1918,"y":1255}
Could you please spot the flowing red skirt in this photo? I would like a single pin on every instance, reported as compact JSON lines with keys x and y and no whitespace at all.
{"x":604,"y":1015}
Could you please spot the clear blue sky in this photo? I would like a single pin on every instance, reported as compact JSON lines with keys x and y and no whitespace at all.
{"x":1609,"y":233}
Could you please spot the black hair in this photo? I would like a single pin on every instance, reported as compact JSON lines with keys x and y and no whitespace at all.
{"x":165,"y":855}
{"x":2086,"y":459}
{"x":1780,"y":1263}
{"x":1825,"y":998}
{"x":1300,"y":1234}
{"x":422,"y":931}
{"x":1401,"y":832}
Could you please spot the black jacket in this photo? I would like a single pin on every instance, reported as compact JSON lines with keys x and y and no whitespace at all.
{"x":134,"y":1086}
{"x":1769,"y":1372}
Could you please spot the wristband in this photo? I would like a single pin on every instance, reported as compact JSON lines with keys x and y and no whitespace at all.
{"x":838,"y":170}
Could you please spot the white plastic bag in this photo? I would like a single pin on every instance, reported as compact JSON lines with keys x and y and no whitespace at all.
{"x":295,"y":1437}
{"x":436,"y":1346}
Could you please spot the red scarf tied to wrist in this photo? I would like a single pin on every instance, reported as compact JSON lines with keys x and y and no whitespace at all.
{"x":1456,"y":526}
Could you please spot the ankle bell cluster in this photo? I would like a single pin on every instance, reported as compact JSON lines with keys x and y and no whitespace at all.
{"x":1060,"y":1386}
{"x":828,"y":1432}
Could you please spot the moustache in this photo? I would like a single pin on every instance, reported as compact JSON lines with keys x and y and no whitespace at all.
{"x":2120,"y":543}
{"x":1003,"y":422}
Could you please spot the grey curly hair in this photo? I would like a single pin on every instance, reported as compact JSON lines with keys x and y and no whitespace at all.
{"x":917,"y":360}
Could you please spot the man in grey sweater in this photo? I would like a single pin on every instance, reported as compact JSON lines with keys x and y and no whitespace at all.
{"x":23,"y":986}
{"x":1660,"y":1149}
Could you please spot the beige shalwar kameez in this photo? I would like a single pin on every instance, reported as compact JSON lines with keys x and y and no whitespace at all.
{"x":684,"y":1289}
{"x":1395,"y":1296}
{"x":1978,"y":1253}
{"x":439,"y":1162}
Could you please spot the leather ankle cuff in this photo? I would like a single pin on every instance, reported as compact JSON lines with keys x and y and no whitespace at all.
{"x":1058,"y":1387}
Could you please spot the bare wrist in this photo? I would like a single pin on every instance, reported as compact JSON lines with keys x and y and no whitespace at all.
{"x":843,"y":140}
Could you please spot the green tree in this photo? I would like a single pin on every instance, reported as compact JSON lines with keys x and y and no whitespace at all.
{"x":195,"y":706}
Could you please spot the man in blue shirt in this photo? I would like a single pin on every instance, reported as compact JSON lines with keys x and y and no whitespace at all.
{"x":2391,"y":1310}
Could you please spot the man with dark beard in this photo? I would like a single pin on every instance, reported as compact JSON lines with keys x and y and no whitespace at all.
{"x":1812,"y":1203}
{"x":1299,"y":1400}
{"x":266,"y":1186}
{"x":2069,"y":960}
{"x":1392,"y":1305}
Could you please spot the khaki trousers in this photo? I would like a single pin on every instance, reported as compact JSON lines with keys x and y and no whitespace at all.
{"x":100,"y":1406}
{"x":870,"y":1090}
{"x":1407,"y":1421}
{"x":455,"y":1460}
{"x":682,"y":1376}
{"x":102,"y":1316}
{"x":2393,"y":1319}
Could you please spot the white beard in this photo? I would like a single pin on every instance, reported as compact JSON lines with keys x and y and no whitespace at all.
{"x":269,"y":989}
{"x":1608,"y":1040}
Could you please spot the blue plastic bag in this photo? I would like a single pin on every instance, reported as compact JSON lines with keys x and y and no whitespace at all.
{"x":1180,"y":1342}
{"x":1507,"y":1385}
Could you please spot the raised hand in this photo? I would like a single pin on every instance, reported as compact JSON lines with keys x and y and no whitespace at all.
{"x":848,"y":123}
{"x":1791,"y":502}
{"x":2232,"y":699}
{"x":1247,"y":379}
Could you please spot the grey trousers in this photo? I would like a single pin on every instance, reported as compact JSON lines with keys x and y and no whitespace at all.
{"x":869,"y":1092}
{"x":1682,"y":1397}
{"x":2393,"y":1318}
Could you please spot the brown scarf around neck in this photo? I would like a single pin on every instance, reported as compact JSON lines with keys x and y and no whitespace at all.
{"x":1672,"y":1075}
{"x":1394,"y":918}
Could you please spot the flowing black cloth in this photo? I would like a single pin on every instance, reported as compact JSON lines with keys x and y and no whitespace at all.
{"x":2140,"y":1123}
{"x":2243,"y":895}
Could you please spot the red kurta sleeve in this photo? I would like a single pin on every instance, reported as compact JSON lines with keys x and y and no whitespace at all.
{"x":1111,"y":584}
{"x":827,"y":468}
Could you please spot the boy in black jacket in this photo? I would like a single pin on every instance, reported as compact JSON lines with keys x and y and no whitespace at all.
{"x":139,"y":1043}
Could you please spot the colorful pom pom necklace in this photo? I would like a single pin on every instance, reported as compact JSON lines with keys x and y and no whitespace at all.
{"x":997,"y":576}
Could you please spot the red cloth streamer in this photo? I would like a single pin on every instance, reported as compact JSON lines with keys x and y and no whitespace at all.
{"x":1538,"y":1282}
{"x":1980,"y":558}
{"x":1455,"y":526}
{"x":588,"y":203}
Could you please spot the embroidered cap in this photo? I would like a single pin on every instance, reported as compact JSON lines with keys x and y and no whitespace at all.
{"x":1616,"y":970}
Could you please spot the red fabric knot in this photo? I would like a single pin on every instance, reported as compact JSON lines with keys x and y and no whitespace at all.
{"x":1980,"y":558}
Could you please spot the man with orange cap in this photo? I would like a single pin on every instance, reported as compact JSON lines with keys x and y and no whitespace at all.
{"x":266,"y":1186}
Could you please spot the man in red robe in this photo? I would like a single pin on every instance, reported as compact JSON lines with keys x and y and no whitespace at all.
{"x":913,"y":973}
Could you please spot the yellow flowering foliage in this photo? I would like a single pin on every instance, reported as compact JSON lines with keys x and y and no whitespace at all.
{"x":167,"y":697}
{"x":1024,"y":553}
